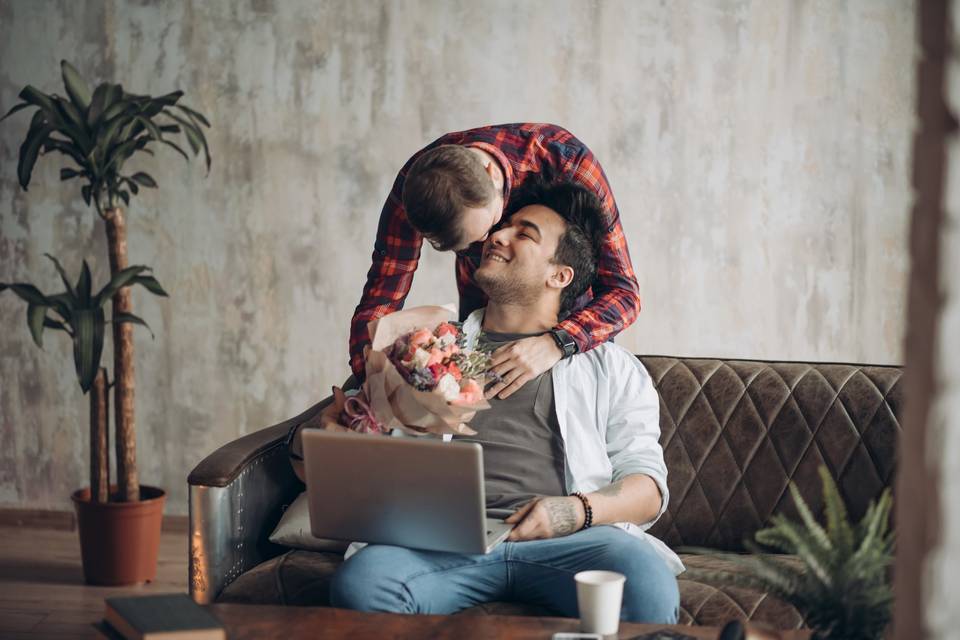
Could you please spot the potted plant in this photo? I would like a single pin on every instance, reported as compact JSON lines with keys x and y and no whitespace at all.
{"x":99,"y":132}
{"x":842,"y":583}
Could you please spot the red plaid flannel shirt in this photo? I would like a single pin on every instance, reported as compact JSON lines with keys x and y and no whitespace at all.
{"x":611,"y":304}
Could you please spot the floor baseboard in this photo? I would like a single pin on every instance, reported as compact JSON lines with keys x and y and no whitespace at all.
{"x":67,"y":520}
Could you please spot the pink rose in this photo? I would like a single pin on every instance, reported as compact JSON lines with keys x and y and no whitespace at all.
{"x":444,"y":328}
{"x":450,"y":349}
{"x":421,"y":337}
{"x":470,"y":393}
{"x":436,"y":356}
{"x":454,"y":370}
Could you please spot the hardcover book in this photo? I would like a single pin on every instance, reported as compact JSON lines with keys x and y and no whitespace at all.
{"x":172,"y":616}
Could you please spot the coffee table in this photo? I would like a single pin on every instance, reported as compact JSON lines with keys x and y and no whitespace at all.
{"x":246,"y":622}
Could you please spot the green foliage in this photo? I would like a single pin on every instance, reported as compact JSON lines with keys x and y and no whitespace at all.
{"x":99,"y":132}
{"x":843,"y":588}
{"x":78,"y":312}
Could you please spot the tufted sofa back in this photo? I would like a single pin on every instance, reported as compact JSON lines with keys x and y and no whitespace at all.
{"x":736,"y":432}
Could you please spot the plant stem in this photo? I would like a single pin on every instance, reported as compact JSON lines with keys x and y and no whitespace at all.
{"x":126,"y":438}
{"x":99,"y":438}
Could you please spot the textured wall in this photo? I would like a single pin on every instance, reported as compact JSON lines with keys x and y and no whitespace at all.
{"x":758,"y":150}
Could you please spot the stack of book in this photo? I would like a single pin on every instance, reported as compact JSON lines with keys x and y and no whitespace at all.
{"x":172,"y":616}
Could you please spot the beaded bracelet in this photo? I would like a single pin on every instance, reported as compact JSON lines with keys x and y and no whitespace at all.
{"x":588,"y":510}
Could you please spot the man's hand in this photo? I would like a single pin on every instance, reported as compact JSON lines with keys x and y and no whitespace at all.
{"x":522,"y":361}
{"x":546,"y":518}
{"x":326,"y":419}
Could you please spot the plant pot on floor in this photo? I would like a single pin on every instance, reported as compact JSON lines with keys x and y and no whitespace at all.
{"x":120,"y":541}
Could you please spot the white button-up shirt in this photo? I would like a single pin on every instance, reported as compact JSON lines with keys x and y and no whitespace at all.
{"x":608,"y":411}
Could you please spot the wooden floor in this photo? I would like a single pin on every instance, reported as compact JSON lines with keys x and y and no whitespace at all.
{"x":42,"y":593}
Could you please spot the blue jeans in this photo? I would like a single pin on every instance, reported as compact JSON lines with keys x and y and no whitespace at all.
{"x":539,"y":572}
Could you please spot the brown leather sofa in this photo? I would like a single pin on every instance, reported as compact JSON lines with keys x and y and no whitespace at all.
{"x":734,"y":433}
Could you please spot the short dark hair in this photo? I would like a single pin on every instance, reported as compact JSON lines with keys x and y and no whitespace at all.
{"x":441,"y":183}
{"x":579,"y":246}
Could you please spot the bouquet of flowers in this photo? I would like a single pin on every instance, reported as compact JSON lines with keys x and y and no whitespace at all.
{"x":420,"y":376}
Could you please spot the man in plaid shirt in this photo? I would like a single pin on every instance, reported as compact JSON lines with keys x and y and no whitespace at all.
{"x":453,"y":193}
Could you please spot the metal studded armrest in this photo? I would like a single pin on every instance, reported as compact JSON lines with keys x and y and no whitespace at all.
{"x":237,"y":494}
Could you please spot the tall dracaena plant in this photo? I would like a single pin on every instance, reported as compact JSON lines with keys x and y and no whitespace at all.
{"x":100,"y":132}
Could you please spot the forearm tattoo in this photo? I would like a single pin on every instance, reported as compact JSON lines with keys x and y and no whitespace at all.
{"x":611,"y":490}
{"x":562,"y":514}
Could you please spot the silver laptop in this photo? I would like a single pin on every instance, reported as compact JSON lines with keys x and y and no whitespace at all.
{"x":410,"y":492}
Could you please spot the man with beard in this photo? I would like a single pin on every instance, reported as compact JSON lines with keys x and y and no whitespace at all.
{"x":572,"y":457}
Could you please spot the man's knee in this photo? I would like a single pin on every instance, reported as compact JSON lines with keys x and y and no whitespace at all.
{"x":651,"y":593}
{"x":365,"y":583}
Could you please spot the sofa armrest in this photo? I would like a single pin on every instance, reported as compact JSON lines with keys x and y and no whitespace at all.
{"x":237,"y":495}
{"x":222,"y":467}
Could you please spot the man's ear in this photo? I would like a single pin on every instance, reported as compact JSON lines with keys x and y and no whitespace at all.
{"x":561,"y":277}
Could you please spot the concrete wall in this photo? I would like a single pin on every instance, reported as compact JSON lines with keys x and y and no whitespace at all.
{"x":759,"y":152}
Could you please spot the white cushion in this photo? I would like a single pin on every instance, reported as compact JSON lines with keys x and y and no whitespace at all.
{"x":294,"y":530}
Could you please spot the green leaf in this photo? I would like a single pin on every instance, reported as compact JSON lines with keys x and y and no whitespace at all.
{"x":50,"y":323}
{"x":38,"y":119}
{"x":194,"y":136}
{"x":97,"y":104}
{"x":114,"y":94}
{"x":169,"y":99}
{"x":75,"y":85}
{"x":144,"y":179}
{"x":132,"y":319}
{"x":821,"y":537}
{"x":177,"y":148}
{"x":73,"y":126}
{"x":149,"y":125}
{"x":66,"y":173}
{"x":838,"y":523}
{"x":120,"y":279}
{"x":29,"y":151}
{"x":119,"y":155}
{"x":134,"y":188}
{"x":170,"y":128}
{"x":116,"y":109}
{"x":35,"y":315}
{"x":151,"y":284}
{"x":28,"y":293}
{"x":125,"y":196}
{"x":63,"y":304}
{"x":194,"y":114}
{"x":63,"y":277}
{"x":88,"y":344}
{"x":84,"y":285}
{"x":37,"y":98}
{"x":66,"y":148}
{"x":85,"y":191}
{"x":14,"y":109}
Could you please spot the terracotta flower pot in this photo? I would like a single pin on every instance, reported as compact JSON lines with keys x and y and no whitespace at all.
{"x":119,"y":541}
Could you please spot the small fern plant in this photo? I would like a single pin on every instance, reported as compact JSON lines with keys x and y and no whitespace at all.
{"x":842,"y":586}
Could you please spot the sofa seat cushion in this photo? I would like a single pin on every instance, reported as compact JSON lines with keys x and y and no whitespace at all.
{"x":299,"y":578}
{"x":705,"y":602}
{"x":302,"y":578}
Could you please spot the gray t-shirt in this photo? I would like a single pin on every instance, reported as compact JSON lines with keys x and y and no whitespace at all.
{"x":523,"y":453}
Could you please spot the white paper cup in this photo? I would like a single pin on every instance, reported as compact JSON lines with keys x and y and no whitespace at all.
{"x":599,"y":594}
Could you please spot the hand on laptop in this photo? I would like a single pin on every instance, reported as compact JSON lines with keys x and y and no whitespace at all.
{"x":546,"y":518}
